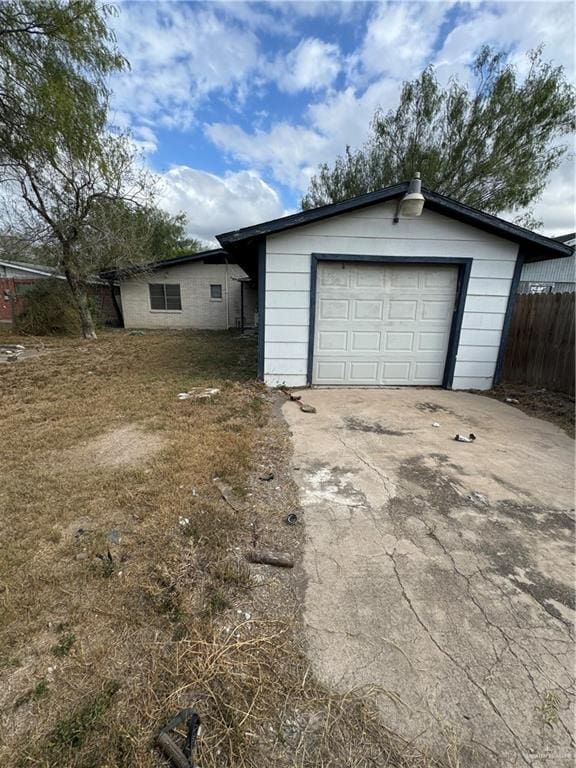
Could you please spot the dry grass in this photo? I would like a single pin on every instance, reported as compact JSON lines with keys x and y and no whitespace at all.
{"x":120,"y":582}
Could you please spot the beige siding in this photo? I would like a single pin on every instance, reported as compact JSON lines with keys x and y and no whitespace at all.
{"x":371,"y":232}
{"x":198,"y":310}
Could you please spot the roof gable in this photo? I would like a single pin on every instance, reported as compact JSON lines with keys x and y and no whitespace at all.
{"x":534,"y":245}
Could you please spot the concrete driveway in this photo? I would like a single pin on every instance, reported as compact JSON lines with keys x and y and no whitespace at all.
{"x":442,"y":572}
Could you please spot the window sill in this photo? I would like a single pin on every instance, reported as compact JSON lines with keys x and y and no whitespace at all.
{"x":166,"y":311}
{"x":217,"y":301}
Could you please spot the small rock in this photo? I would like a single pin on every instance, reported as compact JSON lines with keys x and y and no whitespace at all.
{"x":435,"y":424}
{"x":267,"y":476}
{"x":82,"y":556}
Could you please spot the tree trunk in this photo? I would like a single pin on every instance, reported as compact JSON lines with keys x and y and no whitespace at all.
{"x":117,"y":307}
{"x":79,"y":293}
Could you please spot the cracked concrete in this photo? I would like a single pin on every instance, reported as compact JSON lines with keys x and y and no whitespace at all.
{"x":442,"y":573}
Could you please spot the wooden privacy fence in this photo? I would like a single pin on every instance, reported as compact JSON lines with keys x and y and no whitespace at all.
{"x":540,"y":350}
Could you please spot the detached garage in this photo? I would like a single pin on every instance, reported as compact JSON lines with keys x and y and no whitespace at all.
{"x":359,"y":293}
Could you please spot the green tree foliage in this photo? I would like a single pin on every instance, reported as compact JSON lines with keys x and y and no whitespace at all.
{"x":491,"y":146}
{"x":61,"y":206}
{"x":55,"y":57}
{"x":120,"y":234}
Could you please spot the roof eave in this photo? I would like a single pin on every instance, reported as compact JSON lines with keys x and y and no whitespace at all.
{"x":127,"y":273}
{"x":535,"y":246}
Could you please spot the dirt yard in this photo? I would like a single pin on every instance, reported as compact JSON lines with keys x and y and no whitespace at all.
{"x":124,"y":590}
{"x":554,"y":407}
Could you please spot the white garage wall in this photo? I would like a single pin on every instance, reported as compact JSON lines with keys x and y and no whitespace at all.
{"x":198,"y":310}
{"x":370,"y":232}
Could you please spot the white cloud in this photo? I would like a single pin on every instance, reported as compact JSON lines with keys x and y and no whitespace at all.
{"x":313,"y":65}
{"x":517,"y":26}
{"x":215,"y":204}
{"x":179,"y":55}
{"x":556,"y":210}
{"x":400,"y":37}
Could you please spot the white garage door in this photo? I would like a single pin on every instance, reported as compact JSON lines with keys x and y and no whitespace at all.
{"x":382,"y":324}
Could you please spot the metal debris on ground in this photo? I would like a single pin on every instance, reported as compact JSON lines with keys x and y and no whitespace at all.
{"x":267,"y":557}
{"x":463,"y":439}
{"x":513,"y":400}
{"x":135,"y":333}
{"x":179,"y":749}
{"x":292,"y":519}
{"x":200,"y":393}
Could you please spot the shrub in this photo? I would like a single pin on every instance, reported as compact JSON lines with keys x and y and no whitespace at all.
{"x":48,"y":309}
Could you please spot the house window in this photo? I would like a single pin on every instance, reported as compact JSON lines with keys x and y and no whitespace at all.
{"x":216,"y":292}
{"x":164,"y":296}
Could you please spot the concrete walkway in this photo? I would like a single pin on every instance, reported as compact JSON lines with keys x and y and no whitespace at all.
{"x":442,"y":572}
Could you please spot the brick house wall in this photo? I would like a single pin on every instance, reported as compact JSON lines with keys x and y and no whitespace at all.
{"x":198,"y":309}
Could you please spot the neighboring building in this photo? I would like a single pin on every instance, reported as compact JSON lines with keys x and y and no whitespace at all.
{"x":353,"y":294}
{"x":17,"y":277}
{"x":553,"y":275}
{"x":203,"y":290}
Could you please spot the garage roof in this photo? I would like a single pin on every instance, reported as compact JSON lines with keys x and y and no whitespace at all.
{"x":535,"y":247}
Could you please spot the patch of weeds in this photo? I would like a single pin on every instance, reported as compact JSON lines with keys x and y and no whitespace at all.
{"x":55,"y":536}
{"x":232,"y":573}
{"x":71,"y":733}
{"x":108,"y":566}
{"x":64,"y":645}
{"x":180,"y":632}
{"x":216,"y":601}
{"x":34,"y":694}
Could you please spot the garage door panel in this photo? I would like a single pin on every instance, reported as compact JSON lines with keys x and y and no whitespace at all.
{"x":400,"y":309}
{"x":334,"y":309}
{"x":435,"y":309}
{"x":403,"y":279}
{"x":332,"y":341}
{"x":438,"y":279}
{"x":395,"y":372}
{"x":399,"y":341}
{"x":383,"y":324}
{"x":367,"y":309}
{"x":371,"y":277}
{"x":331,"y":371}
{"x":364,"y":372}
{"x":334,"y":276}
{"x":365,"y":340}
{"x":432,"y":340}
{"x":425,"y":373}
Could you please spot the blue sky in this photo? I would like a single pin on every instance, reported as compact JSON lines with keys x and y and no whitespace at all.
{"x":234,"y":104}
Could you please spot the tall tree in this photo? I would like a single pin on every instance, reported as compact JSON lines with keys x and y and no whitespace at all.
{"x":492,"y":145}
{"x":121,"y":233}
{"x":55,"y":57}
{"x":61,"y":203}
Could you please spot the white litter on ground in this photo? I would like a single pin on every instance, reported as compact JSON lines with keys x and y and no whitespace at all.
{"x":201,"y":393}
